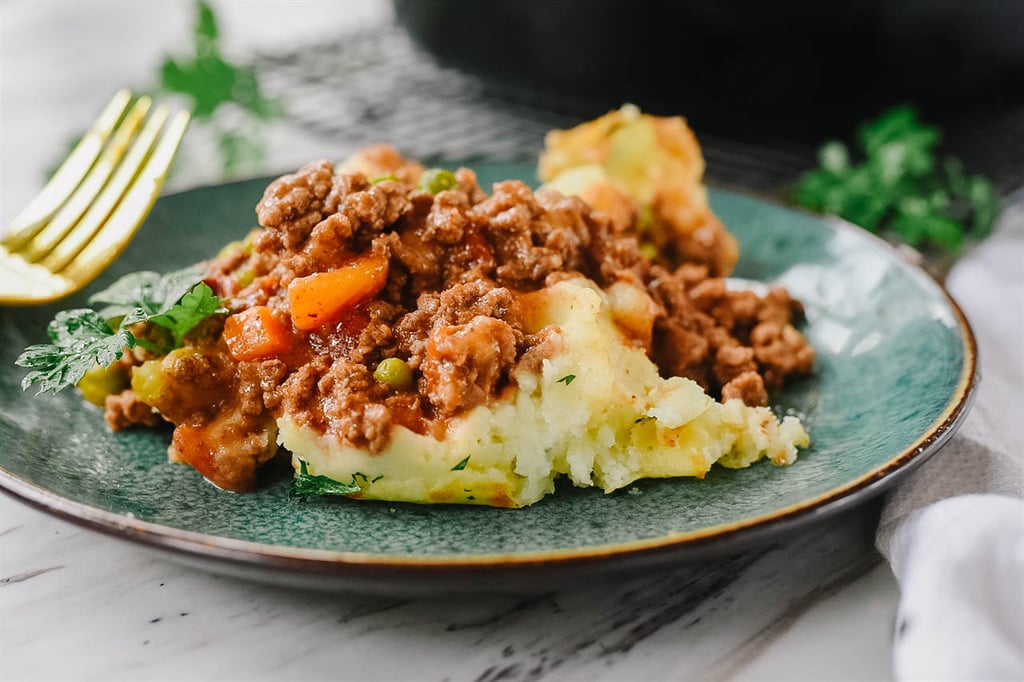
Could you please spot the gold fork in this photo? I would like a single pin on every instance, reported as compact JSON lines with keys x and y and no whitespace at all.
{"x":92,"y":206}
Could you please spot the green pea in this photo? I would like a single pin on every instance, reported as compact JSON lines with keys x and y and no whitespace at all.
{"x":436,"y":180}
{"x":648,"y":251}
{"x":394,"y":372}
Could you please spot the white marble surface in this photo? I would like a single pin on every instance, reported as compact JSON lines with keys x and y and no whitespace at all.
{"x":78,"y":605}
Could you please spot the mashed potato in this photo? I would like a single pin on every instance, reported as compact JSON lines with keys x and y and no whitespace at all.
{"x":647,"y":170}
{"x":597,"y":412}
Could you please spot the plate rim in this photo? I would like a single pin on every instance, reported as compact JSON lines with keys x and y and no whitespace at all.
{"x":706,"y":540}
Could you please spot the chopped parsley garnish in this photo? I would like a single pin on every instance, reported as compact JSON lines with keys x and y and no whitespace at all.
{"x":461,"y":465}
{"x":306,"y":484}
{"x":82,"y":338}
{"x":900,"y":187}
{"x":567,"y":379}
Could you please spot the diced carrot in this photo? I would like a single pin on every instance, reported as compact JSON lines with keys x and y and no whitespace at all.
{"x":254,"y":334}
{"x":324,"y":297}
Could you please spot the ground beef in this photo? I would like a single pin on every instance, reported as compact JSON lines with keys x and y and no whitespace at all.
{"x":748,"y":387}
{"x":454,"y":306}
{"x":229,"y":448}
{"x":465,"y":363}
{"x":781,"y":350}
{"x":733,"y":360}
{"x":352,"y":402}
{"x":715,"y":335}
{"x":458,"y":263}
{"x":124,"y":410}
{"x":295,"y":204}
{"x":198,"y":385}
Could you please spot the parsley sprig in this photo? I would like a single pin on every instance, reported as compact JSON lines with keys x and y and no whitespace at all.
{"x":83,"y":338}
{"x":80,"y":339}
{"x":901,"y":186}
{"x":214,"y":84}
{"x":306,"y":484}
{"x":224,"y":97}
{"x":173,"y":301}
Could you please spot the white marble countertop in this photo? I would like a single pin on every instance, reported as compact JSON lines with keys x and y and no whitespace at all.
{"x":78,"y":605}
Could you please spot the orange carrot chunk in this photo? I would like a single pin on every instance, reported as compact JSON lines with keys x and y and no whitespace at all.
{"x":254,"y":334}
{"x":323,"y":297}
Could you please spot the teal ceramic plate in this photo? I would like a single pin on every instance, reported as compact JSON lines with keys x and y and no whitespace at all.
{"x":894,"y":377}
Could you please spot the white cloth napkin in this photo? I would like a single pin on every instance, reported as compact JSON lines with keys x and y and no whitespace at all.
{"x":954,"y":532}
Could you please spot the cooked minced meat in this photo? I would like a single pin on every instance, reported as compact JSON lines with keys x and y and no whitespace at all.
{"x":458,"y":263}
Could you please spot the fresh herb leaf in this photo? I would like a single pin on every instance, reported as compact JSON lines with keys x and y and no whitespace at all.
{"x":173,"y":301}
{"x":240,"y":149}
{"x":209,"y":79}
{"x":306,"y":484}
{"x":985,"y":203}
{"x":195,"y":306}
{"x":567,"y":379}
{"x":461,"y":465}
{"x":212,"y":82}
{"x":900,"y":188}
{"x":206,"y":27}
{"x":81,"y":339}
{"x":834,"y":157}
{"x":897,"y":132}
{"x":152,"y":292}
{"x":226,"y":98}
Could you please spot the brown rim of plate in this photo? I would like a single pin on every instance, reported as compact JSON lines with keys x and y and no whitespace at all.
{"x":318,"y":561}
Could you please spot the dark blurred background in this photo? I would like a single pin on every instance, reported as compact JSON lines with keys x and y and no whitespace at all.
{"x":795,"y":67}
{"x":779,"y":75}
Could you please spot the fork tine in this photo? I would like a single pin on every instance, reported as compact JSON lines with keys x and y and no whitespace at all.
{"x":101,"y":207}
{"x":111,"y":240}
{"x":85,"y":196}
{"x":68,"y":176}
{"x":22,"y":282}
